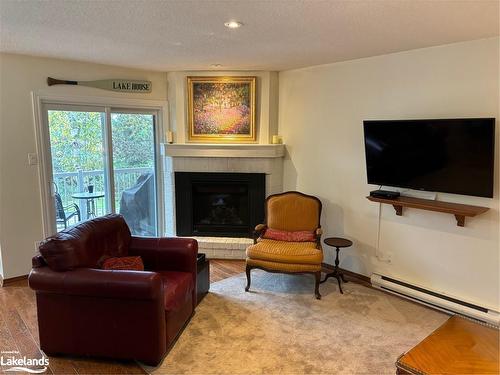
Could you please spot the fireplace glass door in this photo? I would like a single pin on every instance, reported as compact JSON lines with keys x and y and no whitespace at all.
{"x":218,"y":204}
{"x":220,"y":207}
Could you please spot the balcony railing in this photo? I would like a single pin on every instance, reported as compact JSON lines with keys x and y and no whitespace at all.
{"x":69,"y":183}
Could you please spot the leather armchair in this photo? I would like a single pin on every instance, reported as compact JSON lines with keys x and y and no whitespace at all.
{"x":84,"y":310}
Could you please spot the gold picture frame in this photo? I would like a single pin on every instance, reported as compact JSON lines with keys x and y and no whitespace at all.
{"x":221,"y":109}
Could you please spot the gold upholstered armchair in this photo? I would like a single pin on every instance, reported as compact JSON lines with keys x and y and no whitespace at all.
{"x":290,"y":239}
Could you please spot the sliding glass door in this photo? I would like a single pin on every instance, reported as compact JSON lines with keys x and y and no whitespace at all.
{"x":103,"y":160}
{"x":134,"y":166}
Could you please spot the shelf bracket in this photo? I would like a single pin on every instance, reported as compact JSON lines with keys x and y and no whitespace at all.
{"x":460,"y":220}
{"x":398,"y":209}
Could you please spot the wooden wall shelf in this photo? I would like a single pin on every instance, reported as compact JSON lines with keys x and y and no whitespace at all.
{"x":459,"y":210}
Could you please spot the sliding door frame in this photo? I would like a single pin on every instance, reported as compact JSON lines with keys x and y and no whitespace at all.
{"x":41,"y":100}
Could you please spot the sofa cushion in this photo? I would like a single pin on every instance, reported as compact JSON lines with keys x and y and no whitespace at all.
{"x":123,"y":263}
{"x":177,"y":288}
{"x":85,"y":244}
{"x":285,"y":252}
{"x":283,"y":235}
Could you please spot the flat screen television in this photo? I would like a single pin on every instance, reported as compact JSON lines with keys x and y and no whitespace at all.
{"x":442,"y":155}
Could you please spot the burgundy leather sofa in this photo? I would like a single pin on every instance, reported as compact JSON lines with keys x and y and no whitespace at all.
{"x":84,"y":310}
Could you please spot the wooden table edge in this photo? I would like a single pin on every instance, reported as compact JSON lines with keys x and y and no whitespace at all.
{"x":409,"y":369}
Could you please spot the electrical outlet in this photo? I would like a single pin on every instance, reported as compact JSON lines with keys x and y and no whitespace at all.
{"x":386,"y":258}
{"x":32,"y":159}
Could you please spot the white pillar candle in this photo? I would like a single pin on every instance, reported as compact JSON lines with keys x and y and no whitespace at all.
{"x":170,"y":137}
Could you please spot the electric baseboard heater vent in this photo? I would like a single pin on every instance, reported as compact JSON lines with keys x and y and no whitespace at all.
{"x":434,"y":299}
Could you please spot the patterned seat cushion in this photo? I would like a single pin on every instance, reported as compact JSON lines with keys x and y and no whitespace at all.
{"x":285,"y":252}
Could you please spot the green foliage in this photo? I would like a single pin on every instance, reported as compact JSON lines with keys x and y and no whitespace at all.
{"x":133,"y":140}
{"x":76,"y":140}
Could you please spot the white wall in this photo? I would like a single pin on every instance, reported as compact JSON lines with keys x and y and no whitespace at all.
{"x":321,"y":110}
{"x":20,"y":205}
{"x":1,"y":267}
{"x":266,"y":97}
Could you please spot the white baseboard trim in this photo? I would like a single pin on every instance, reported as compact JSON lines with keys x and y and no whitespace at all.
{"x":435,"y":299}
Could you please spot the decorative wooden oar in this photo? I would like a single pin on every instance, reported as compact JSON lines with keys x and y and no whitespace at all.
{"x":121,"y":85}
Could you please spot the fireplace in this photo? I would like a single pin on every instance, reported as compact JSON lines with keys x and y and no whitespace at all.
{"x":218,"y":204}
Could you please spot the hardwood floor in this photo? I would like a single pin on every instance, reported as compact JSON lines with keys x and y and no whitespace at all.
{"x":222,"y":269}
{"x":19,"y":331}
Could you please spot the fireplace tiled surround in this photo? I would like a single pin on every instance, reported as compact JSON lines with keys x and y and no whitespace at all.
{"x":242,"y":158}
{"x":223,"y":247}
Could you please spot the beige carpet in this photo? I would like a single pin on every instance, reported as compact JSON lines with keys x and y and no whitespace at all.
{"x":279,"y":328}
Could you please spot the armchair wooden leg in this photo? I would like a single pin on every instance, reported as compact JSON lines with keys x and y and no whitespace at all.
{"x":247,"y":270}
{"x":317,"y":276}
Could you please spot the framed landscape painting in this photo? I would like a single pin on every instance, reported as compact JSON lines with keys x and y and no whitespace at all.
{"x":221,"y":109}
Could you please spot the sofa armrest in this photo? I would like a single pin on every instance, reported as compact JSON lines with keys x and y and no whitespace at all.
{"x":166,"y":254}
{"x":98,"y":283}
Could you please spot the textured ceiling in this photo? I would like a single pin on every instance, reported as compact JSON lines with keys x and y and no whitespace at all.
{"x":277,"y":35}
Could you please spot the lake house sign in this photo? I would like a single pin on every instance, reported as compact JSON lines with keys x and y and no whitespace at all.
{"x":121,"y":85}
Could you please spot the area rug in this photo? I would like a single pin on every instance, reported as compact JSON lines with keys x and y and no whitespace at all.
{"x":280,"y":328}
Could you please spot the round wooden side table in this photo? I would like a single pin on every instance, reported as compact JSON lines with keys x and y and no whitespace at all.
{"x":338,"y":243}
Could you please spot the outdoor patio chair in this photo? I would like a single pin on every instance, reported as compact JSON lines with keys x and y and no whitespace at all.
{"x":65,"y":213}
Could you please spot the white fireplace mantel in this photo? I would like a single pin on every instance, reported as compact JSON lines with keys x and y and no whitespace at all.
{"x":198,"y":150}
{"x":220,"y":158}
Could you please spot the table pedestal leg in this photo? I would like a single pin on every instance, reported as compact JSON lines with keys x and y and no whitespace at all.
{"x":91,"y":209}
{"x":85,"y":209}
{"x":336,"y":272}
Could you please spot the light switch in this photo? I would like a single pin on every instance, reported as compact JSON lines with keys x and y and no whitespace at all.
{"x":32,"y":159}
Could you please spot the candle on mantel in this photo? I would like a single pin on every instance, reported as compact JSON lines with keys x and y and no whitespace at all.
{"x":276,"y":140}
{"x":170,"y":137}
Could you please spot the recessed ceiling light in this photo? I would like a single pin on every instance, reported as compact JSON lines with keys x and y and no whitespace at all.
{"x":233,"y":24}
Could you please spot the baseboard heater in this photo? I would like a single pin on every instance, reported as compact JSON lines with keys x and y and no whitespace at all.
{"x":434,"y":299}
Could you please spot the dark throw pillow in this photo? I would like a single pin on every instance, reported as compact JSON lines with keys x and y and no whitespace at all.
{"x":124,"y":263}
